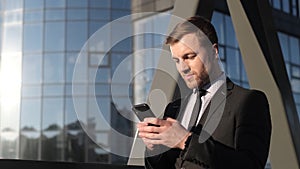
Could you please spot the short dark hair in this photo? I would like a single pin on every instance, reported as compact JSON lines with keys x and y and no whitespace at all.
{"x":193,"y":24}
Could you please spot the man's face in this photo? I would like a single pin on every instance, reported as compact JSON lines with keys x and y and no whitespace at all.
{"x":194,"y":61}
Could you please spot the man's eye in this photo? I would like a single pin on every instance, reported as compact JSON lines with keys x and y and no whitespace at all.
{"x":191,"y":56}
{"x":176,"y":60}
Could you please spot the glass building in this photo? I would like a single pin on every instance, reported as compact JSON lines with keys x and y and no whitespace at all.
{"x":40,"y":42}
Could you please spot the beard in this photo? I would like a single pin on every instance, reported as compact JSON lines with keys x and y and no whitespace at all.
{"x":197,"y":81}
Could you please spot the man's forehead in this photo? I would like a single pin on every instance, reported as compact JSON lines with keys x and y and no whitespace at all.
{"x":190,"y":40}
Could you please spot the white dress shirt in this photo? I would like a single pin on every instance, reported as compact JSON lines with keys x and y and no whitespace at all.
{"x":211,"y":91}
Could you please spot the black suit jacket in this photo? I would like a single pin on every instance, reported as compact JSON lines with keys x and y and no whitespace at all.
{"x":234,"y":135}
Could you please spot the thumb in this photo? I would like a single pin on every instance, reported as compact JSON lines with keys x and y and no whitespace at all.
{"x":171,"y":120}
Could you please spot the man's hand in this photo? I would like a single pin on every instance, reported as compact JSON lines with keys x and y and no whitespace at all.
{"x":168,"y":132}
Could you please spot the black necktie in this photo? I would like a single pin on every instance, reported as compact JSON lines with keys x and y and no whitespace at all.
{"x":196,"y":109}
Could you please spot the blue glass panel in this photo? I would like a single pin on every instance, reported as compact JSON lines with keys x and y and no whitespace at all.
{"x":77,"y":3}
{"x":221,"y":53}
{"x":288,"y":69}
{"x":104,"y":108}
{"x":99,"y":90}
{"x":34,"y":4}
{"x":71,"y":60}
{"x":276,"y":4}
{"x":77,"y":14}
{"x":31,"y":108}
{"x":115,"y":14}
{"x":295,"y":83}
{"x":94,"y":26}
{"x":283,"y":39}
{"x":12,"y":5}
{"x":55,"y":4}
{"x":218,"y":22}
{"x":54,"y":68}
{"x":99,"y":4}
{"x":119,"y":58}
{"x":122,"y":90}
{"x":230,"y":34}
{"x":148,"y":40}
{"x":158,"y":41}
{"x":55,"y":14}
{"x":123,"y":46}
{"x":294,"y":49}
{"x":52,"y":119}
{"x":296,"y":71}
{"x":286,"y":6}
{"x":232,"y":59}
{"x":99,"y":59}
{"x":71,"y":116}
{"x":120,"y":4}
{"x":33,"y":16}
{"x":297,"y":98}
{"x":102,"y":76}
{"x":53,"y":90}
{"x":76,"y":35}
{"x":32,"y":69}
{"x":31,"y":91}
{"x":54,"y":36}
{"x":81,"y":90}
{"x":294,"y":7}
{"x":244,"y":74}
{"x":33,"y":37}
{"x":99,"y":14}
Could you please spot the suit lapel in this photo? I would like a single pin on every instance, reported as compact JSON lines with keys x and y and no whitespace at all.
{"x":214,"y":111}
{"x":177,"y":108}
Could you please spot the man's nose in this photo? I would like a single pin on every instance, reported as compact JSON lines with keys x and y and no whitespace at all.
{"x":184,"y":68}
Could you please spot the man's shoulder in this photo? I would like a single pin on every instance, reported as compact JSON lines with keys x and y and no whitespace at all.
{"x":242,"y":93}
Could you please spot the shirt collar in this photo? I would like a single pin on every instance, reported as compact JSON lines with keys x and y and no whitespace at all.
{"x":216,"y":84}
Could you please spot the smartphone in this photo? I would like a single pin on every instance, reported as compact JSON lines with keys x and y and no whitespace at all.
{"x":142,"y":111}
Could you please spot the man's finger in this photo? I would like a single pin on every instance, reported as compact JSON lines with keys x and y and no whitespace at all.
{"x":148,"y":135}
{"x":153,"y":120}
{"x":150,"y":129}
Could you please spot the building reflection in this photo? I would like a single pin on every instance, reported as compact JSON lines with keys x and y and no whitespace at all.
{"x":71,"y":143}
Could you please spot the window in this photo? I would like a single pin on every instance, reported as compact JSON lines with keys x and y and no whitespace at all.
{"x":32,"y":69}
{"x":290,"y":7}
{"x":76,"y":35}
{"x":290,"y":47}
{"x":33,"y":34}
{"x":33,"y":4}
{"x":54,"y":68}
{"x":54,"y":36}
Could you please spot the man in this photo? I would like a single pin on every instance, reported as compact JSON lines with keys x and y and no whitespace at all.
{"x":231,"y":130}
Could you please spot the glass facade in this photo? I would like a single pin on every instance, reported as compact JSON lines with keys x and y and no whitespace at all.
{"x":291,"y":7}
{"x":290,"y":46}
{"x":229,"y":52}
{"x":41,"y":42}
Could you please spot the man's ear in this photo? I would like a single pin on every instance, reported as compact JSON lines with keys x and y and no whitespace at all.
{"x":216,"y":50}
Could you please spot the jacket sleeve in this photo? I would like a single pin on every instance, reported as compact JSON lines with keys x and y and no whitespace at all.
{"x":163,"y":157}
{"x":252,"y":139}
